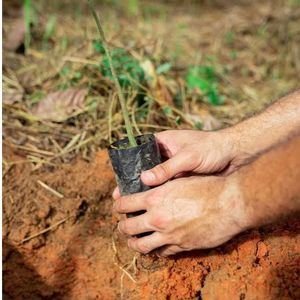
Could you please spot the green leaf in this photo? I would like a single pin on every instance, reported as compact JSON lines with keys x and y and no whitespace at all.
{"x":77,"y":75}
{"x":167,"y":110}
{"x":233,"y":54}
{"x":133,"y":7}
{"x":164,"y":68}
{"x":178,"y":120}
{"x":36,"y":97}
{"x":64,"y":71}
{"x":214,"y":97}
{"x":50,"y":28}
{"x":98,"y":47}
{"x":204,"y":79}
{"x":229,"y":37}
{"x":198,"y":125}
{"x":178,"y":100}
{"x":128,"y":69}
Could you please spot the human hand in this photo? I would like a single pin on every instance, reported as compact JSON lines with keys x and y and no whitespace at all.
{"x":184,"y":214}
{"x":193,"y":152}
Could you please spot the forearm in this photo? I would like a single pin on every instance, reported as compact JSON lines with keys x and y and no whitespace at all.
{"x":271,"y":185}
{"x":274,"y":126}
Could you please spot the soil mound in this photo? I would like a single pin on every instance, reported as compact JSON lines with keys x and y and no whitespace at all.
{"x":81,"y":256}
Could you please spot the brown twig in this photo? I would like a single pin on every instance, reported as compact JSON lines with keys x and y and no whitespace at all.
{"x":50,"y":189}
{"x":45,"y":230}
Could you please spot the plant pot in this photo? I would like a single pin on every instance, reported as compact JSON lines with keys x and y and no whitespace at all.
{"x":128,"y":163}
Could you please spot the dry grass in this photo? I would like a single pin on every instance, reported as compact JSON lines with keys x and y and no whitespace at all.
{"x":254,"y":48}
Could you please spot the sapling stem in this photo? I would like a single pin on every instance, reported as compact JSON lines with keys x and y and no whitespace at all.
{"x":121,"y":97}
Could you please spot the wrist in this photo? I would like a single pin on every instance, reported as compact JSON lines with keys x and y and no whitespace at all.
{"x":239,"y":146}
{"x":241,"y":207}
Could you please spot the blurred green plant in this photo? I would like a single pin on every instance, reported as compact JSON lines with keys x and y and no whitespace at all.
{"x":262,"y":31}
{"x":294,"y":2}
{"x":133,"y":7}
{"x":233,"y":54}
{"x":128,"y":69}
{"x":36,"y":97}
{"x":64,"y":43}
{"x":98,"y":47}
{"x":167,"y":110}
{"x":163,"y":68}
{"x":205,"y":79}
{"x":69,"y":77}
{"x":229,"y":37}
{"x":49,"y":29}
{"x":198,"y":125}
{"x":27,"y":17}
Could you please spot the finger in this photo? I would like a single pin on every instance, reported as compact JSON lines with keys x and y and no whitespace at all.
{"x":168,"y":250}
{"x":116,"y":193}
{"x":135,"y":225}
{"x":148,"y":243}
{"x":168,"y":169}
{"x":165,"y":136}
{"x":130,"y":203}
{"x":163,"y":141}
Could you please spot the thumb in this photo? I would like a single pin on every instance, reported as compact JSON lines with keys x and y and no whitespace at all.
{"x":166,"y":170}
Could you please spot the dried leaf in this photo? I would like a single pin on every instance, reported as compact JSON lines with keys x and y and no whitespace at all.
{"x":204,"y":120}
{"x":15,"y":37}
{"x":150,"y":73}
{"x":12,"y":8}
{"x":158,"y":84}
{"x":59,"y":106}
{"x":12,"y":97}
{"x":210,"y":122}
{"x":162,"y":92}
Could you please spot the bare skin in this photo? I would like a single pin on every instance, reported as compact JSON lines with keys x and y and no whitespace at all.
{"x":199,"y":211}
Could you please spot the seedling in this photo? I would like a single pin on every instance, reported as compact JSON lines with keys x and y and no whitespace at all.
{"x":132,"y":155}
{"x":128,"y":126}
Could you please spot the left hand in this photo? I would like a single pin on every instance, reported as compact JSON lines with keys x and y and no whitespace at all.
{"x":184,"y":214}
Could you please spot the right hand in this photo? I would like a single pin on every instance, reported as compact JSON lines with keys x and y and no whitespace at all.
{"x":193,"y":152}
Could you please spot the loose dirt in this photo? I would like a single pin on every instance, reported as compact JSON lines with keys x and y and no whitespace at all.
{"x":86,"y":258}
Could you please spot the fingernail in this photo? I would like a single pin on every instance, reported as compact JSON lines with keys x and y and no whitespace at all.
{"x":116,"y":193}
{"x":148,"y":176}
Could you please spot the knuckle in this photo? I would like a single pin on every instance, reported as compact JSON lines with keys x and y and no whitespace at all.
{"x":120,"y":206}
{"x":125,"y":228}
{"x":191,"y":158}
{"x":142,"y":247}
{"x":149,"y":200}
{"x":162,"y":171}
{"x":153,"y":198}
{"x":116,"y":206}
{"x":160,"y":221}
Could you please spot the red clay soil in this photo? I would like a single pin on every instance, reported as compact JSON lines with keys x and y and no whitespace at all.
{"x":85,"y":258}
